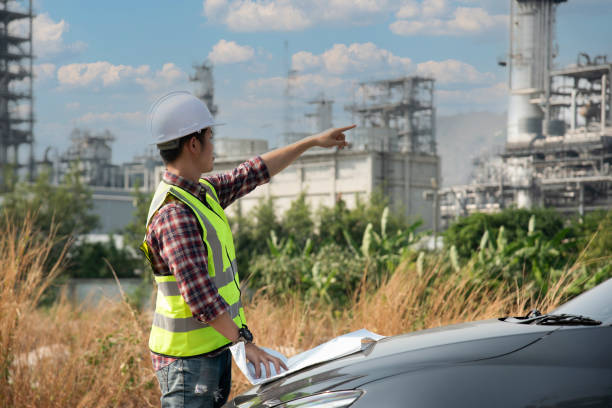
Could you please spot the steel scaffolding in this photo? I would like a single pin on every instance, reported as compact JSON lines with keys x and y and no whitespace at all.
{"x":404,"y":104}
{"x":16,"y":95}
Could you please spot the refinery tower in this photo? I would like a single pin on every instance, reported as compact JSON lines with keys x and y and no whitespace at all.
{"x":16,"y":113}
{"x":558,"y":149}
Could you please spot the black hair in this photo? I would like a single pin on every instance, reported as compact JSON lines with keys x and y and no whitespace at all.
{"x":170,"y":155}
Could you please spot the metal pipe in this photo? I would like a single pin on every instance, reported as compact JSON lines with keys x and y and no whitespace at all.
{"x":603,"y":103}
{"x":573,"y":110}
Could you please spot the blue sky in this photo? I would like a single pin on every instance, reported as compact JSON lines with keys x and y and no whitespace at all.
{"x":100,"y":65}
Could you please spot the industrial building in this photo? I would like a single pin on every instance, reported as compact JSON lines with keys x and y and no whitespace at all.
{"x":393,"y":149}
{"x":16,"y":81}
{"x":558,"y":152}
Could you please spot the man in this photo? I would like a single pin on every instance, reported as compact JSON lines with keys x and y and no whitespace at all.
{"x":190,"y":247}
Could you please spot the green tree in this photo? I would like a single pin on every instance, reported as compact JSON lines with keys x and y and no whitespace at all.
{"x":86,"y":260}
{"x":335,"y":222}
{"x":297,"y":223}
{"x":251,"y":233}
{"x":134,"y":232}
{"x":66,"y":207}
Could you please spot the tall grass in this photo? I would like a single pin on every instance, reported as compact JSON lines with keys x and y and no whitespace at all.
{"x":63,"y":356}
{"x":66,"y":356}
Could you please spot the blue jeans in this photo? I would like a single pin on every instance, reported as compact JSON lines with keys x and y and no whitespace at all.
{"x":201,"y":382}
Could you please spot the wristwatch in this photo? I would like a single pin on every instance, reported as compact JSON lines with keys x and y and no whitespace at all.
{"x":244,"y":335}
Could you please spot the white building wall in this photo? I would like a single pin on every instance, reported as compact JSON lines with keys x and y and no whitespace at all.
{"x":324,"y":176}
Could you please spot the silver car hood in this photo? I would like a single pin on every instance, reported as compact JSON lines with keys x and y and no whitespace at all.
{"x":390,"y":356}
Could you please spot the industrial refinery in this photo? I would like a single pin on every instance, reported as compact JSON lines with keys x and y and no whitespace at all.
{"x":558,"y":151}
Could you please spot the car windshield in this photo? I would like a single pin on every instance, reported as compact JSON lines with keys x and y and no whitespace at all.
{"x":595,"y":303}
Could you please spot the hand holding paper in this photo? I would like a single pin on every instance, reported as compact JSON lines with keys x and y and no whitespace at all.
{"x":335,"y":348}
{"x":264,"y":361}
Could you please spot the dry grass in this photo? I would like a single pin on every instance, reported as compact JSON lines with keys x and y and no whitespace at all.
{"x":69,"y":357}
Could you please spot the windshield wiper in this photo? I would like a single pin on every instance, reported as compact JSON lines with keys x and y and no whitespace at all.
{"x":564,"y":319}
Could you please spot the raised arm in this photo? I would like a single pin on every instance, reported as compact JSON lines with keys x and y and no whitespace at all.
{"x":278,"y":159}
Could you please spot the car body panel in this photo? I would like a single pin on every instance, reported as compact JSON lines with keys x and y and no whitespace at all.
{"x":394,"y":355}
{"x":487,"y":363}
{"x":571,"y":367}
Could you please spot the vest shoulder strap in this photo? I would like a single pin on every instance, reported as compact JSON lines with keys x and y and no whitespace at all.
{"x":209,"y":189}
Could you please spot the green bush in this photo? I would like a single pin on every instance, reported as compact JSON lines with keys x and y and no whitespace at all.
{"x":532,"y":253}
{"x":332,"y":272}
{"x":86,"y":260}
{"x":466,"y":233}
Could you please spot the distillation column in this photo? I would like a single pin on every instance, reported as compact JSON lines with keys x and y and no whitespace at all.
{"x":531,"y":54}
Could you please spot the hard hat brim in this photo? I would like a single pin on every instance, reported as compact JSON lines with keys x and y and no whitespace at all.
{"x":180,"y":135}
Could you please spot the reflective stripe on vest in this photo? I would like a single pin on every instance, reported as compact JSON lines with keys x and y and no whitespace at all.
{"x":175,"y":332}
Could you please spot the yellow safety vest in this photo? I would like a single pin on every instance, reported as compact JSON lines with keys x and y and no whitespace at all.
{"x":175,"y":332}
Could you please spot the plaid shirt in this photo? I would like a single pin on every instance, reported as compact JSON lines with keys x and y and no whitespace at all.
{"x":174,"y":237}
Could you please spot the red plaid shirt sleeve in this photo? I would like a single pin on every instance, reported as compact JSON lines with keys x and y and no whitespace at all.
{"x":234,"y":184}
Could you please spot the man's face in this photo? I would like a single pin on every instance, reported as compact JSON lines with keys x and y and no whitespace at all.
{"x":207,"y":157}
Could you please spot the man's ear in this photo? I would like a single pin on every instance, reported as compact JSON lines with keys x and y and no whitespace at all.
{"x":191,"y":144}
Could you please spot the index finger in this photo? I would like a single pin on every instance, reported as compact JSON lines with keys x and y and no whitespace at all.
{"x":342,"y":129}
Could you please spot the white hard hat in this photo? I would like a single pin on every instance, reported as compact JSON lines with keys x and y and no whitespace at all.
{"x":175,"y":115}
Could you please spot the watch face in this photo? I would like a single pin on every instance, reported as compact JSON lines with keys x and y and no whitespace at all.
{"x":246,"y":334}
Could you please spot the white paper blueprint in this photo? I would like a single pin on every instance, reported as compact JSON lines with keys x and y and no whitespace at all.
{"x":335,"y":348}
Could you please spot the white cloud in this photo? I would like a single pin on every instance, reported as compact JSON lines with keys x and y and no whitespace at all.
{"x":47,"y":36}
{"x":228,"y":52}
{"x":165,"y":78}
{"x":432,"y":8}
{"x":105,"y":117}
{"x":45,"y":71}
{"x":305,"y":60}
{"x":453,"y":71}
{"x":357,"y":57}
{"x":475,"y":20}
{"x":409,"y":9}
{"x":214,"y":8}
{"x":302,"y":86}
{"x":463,"y":21}
{"x":106,"y":74}
{"x":73,"y":105}
{"x":345,"y":10}
{"x":432,"y":17}
{"x":93,"y":72}
{"x":272,"y":84}
{"x":291,"y":15}
{"x":265,"y":16}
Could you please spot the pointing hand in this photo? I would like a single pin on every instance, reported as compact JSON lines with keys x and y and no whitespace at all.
{"x":333,"y":137}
